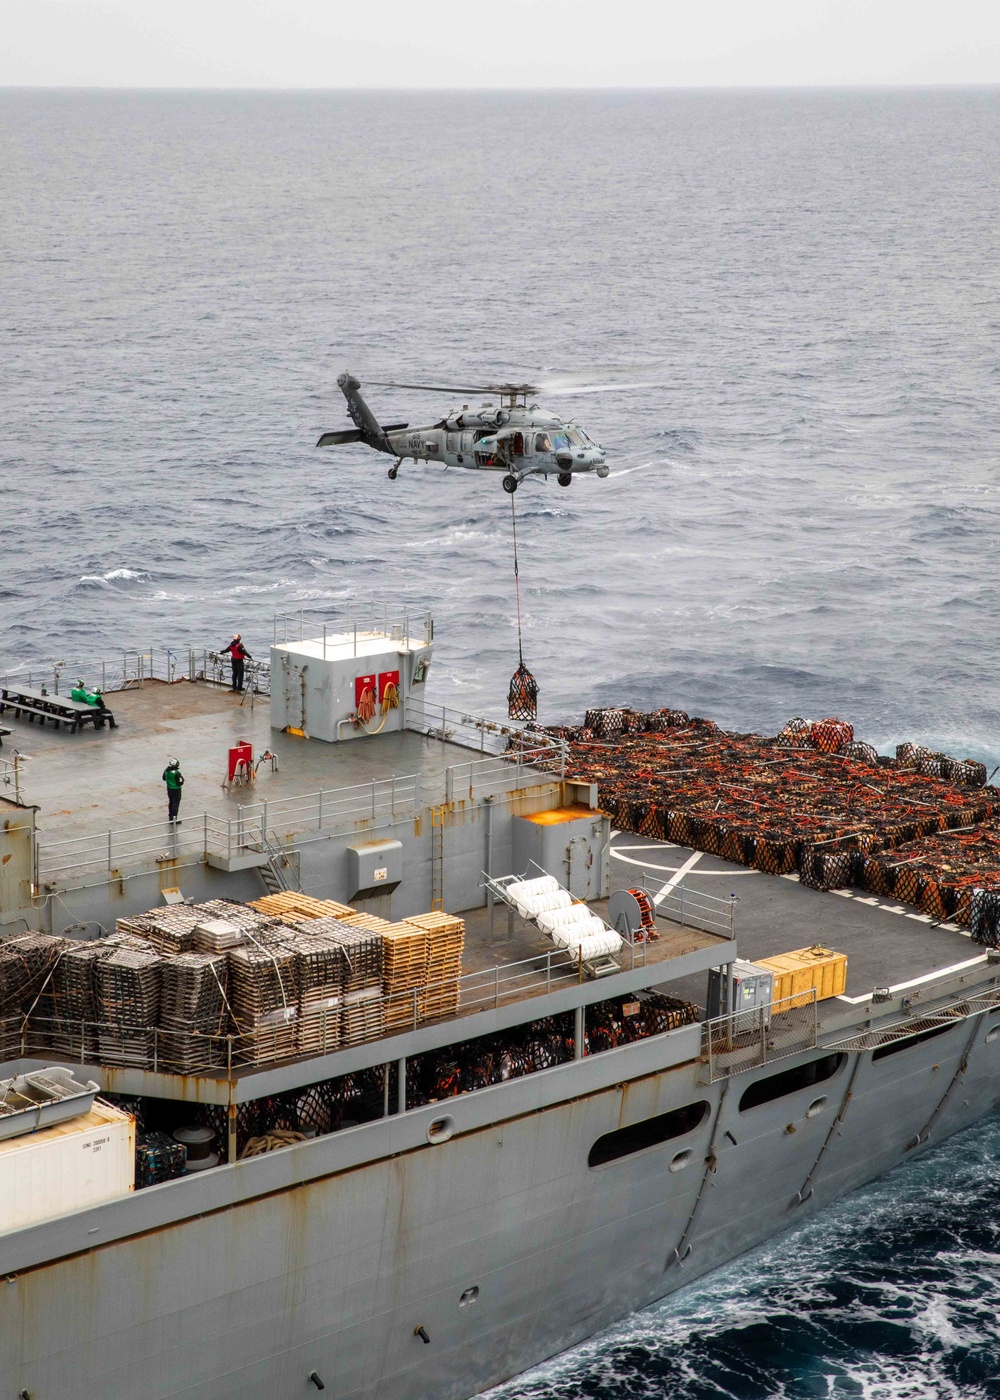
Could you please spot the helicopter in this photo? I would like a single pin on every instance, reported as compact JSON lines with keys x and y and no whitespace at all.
{"x":510,"y":437}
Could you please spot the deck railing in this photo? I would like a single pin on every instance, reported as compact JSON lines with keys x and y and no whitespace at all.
{"x":12,"y":777}
{"x":204,"y":834}
{"x":748,"y":1039}
{"x":284,"y":1035}
{"x":694,"y":908}
{"x":131,"y":668}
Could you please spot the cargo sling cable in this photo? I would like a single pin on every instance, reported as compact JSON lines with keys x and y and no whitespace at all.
{"x":522,"y":697}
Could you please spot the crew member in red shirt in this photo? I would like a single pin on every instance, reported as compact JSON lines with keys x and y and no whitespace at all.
{"x":239,"y":654}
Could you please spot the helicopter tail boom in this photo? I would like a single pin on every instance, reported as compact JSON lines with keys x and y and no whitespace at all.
{"x":369,"y":430}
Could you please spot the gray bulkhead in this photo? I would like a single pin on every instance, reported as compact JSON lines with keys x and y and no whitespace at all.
{"x":328,"y":1257}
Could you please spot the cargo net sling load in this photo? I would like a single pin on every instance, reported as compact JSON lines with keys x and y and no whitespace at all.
{"x":569,"y":923}
{"x":522,"y":697}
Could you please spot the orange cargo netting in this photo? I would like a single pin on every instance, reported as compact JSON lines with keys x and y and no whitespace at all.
{"x":810,"y":800}
{"x":954,"y":875}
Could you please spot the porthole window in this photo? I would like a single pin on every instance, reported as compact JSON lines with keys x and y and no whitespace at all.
{"x":650,"y":1132}
{"x":441,"y":1129}
{"x":992,"y":1035}
{"x":789,"y":1081}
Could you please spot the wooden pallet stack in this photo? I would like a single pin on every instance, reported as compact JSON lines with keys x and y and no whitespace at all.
{"x":217,"y":936}
{"x":362,"y":1016}
{"x":264,"y":995}
{"x":321,"y":965}
{"x":404,"y":972}
{"x":361,"y":937}
{"x":445,"y":944}
{"x":193,"y":1012}
{"x":128,"y":1005}
{"x":230,"y":910}
{"x":169,"y":929}
{"x":293,"y":906}
{"x":66,"y":1014}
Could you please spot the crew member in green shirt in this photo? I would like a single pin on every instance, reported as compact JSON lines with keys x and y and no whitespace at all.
{"x":87,"y":697}
{"x":174,"y":779}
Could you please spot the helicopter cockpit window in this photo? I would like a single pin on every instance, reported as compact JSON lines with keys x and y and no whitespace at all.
{"x":543,"y":443}
{"x":560,"y":442}
{"x":576,"y":437}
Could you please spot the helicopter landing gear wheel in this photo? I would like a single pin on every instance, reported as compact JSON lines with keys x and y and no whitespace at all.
{"x":565,"y":479}
{"x":394,"y":472}
{"x":510,"y":484}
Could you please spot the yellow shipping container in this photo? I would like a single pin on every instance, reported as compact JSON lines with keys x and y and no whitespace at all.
{"x":797,"y":973}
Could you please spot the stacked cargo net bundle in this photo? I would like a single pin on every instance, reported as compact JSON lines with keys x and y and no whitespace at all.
{"x":26,"y":960}
{"x":321,"y":965}
{"x":363,"y":1012}
{"x":158,"y":1158}
{"x":954,"y":875}
{"x":967,"y":771}
{"x":64,"y":1018}
{"x":244,"y":916}
{"x":445,"y":945}
{"x":194,"y":1012}
{"x":128,"y":984}
{"x":168,"y":930}
{"x":264,"y":997}
{"x":491,"y":1059}
{"x":405,"y":951}
{"x":293,"y":906}
{"x":781,"y":806}
{"x":622,"y":1020}
{"x":26,"y":964}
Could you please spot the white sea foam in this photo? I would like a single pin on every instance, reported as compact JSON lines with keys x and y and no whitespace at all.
{"x":114,"y":576}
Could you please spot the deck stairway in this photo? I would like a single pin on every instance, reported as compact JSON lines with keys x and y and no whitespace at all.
{"x":278,"y":874}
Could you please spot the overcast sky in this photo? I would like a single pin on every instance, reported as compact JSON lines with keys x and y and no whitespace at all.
{"x":496,"y":43}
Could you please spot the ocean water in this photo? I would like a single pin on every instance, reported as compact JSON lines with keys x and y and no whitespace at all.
{"x":802,"y":517}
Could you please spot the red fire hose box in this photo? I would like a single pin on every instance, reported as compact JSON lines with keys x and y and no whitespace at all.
{"x":242,"y":753}
{"x":361,"y":684}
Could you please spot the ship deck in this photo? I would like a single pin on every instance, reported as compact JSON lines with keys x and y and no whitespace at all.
{"x":112,"y":778}
{"x":888,"y":944}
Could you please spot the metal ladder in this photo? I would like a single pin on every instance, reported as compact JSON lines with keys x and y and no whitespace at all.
{"x":437,"y":857}
{"x":278,"y":874}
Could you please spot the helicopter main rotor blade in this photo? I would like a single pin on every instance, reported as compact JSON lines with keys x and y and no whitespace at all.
{"x":560,"y":385}
{"x":557,"y":391}
{"x":436,"y":388}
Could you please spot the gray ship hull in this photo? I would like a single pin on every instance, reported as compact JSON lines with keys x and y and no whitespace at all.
{"x":327,"y":1259}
